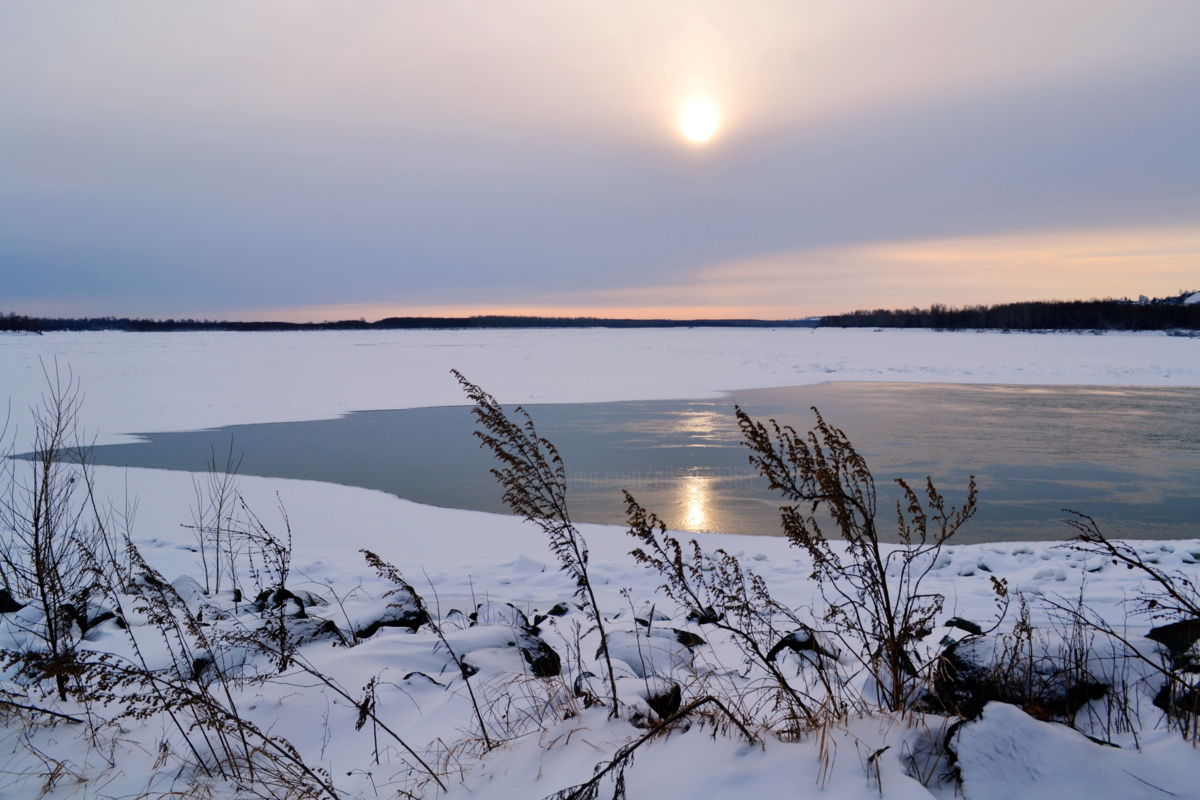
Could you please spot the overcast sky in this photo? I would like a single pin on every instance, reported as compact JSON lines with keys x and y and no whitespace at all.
{"x":311,"y":160}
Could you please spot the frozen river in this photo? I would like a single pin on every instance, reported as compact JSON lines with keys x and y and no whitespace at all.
{"x":1128,"y":456}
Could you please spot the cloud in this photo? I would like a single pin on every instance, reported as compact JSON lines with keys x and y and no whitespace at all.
{"x":204,"y":158}
{"x":1077,"y":264}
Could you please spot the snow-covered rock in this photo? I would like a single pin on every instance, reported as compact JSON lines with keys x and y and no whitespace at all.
{"x":1008,"y":754}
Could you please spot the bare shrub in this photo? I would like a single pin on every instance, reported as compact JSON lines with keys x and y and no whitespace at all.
{"x":45,"y":530}
{"x":196,"y":692}
{"x":215,"y":519}
{"x":873,"y":591}
{"x":1171,"y":596}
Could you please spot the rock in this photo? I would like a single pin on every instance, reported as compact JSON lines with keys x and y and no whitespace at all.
{"x":802,"y":640}
{"x":665,"y":702}
{"x":91,"y":616}
{"x":542,"y":660}
{"x":557,"y":610}
{"x":976,"y":670}
{"x":648,"y":614}
{"x":189,"y":590}
{"x":143,"y":580}
{"x":456,"y":618}
{"x":705,"y":616}
{"x":1007,"y":754}
{"x":232,"y":661}
{"x":499,"y":614}
{"x":8,"y":604}
{"x":582,"y":685}
{"x":964,"y":625}
{"x":560,"y":610}
{"x":649,"y":653}
{"x":1178,"y":700}
{"x":687,"y":638}
{"x":306,"y":630}
{"x":412,"y":676}
{"x":274,"y":598}
{"x":404,"y":611}
{"x":201,"y":664}
{"x":1179,"y":638}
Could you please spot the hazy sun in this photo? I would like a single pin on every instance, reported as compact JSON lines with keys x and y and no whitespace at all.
{"x":699,"y":120}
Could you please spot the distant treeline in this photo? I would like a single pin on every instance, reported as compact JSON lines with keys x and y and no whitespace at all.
{"x":17,"y":322}
{"x":1105,"y":315}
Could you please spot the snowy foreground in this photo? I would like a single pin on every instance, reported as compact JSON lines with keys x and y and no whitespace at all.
{"x":462,"y":562}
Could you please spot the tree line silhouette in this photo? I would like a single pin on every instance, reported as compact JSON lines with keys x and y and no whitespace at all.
{"x":18,"y":322}
{"x":1167,"y":313}
{"x":1107,"y":315}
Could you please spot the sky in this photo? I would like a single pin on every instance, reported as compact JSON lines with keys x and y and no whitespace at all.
{"x":305,"y":160}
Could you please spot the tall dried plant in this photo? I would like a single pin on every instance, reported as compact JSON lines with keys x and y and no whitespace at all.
{"x":872,"y":590}
{"x":534,"y":479}
{"x":716,"y":588}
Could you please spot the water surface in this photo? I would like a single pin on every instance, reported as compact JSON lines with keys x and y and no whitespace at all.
{"x":1130,"y":457}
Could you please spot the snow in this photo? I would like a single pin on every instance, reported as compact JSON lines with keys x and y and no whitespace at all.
{"x":1007,"y":753}
{"x":144,"y":382}
{"x":459,"y":559}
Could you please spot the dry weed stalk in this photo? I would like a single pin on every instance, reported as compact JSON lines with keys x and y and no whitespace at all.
{"x":716,"y":589}
{"x":404,"y":589}
{"x":872,"y":591}
{"x":616,"y":766}
{"x":535,"y":488}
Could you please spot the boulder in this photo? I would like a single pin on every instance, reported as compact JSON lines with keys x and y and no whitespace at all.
{"x":232,"y":661}
{"x":964,"y":625}
{"x":1178,"y":699}
{"x":89,"y":616}
{"x":404,"y":611}
{"x":414,"y":677}
{"x":1006,"y":754}
{"x":1180,"y":640}
{"x":977,"y":670}
{"x":561,"y":609}
{"x":802,"y":640}
{"x":687,"y":638}
{"x":8,"y":604}
{"x":666,"y":700}
{"x":557,"y":610}
{"x":306,"y":630}
{"x":500,"y":648}
{"x":648,"y":614}
{"x":543,"y":661}
{"x":705,"y":616}
{"x":298,"y":598}
{"x":648,"y":653}
{"x":189,"y":590}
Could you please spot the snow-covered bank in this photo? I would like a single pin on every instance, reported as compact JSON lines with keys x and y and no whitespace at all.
{"x":459,"y":559}
{"x":140,"y":382}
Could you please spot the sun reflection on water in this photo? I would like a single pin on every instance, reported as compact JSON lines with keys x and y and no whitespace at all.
{"x":695,"y":499}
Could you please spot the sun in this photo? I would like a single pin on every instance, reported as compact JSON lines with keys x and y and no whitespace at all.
{"x":699,"y":120}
